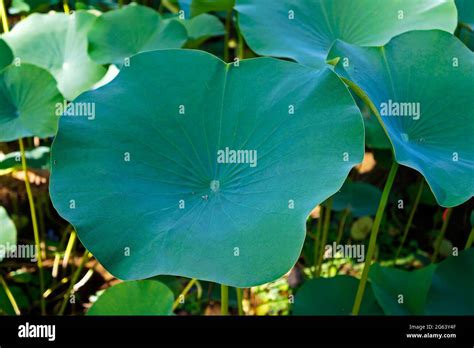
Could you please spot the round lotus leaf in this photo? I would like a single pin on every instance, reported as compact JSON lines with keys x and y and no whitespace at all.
{"x":451,"y":287}
{"x":7,"y":232}
{"x":120,"y":34}
{"x":427,"y":111}
{"x":401,"y":292}
{"x":359,"y":198}
{"x":333,"y":296}
{"x":143,"y":297}
{"x":58,"y":43}
{"x":198,"y":168}
{"x":6,"y":55}
{"x":304,"y":30}
{"x":28,"y":100}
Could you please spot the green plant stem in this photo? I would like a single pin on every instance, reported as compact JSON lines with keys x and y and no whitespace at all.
{"x":42,"y":227}
{"x":470,"y":239}
{"x":442,"y":232}
{"x":324,"y":237}
{"x":10,"y":296}
{"x":373,"y":238}
{"x":169,"y":6}
{"x":239,"y":301}
{"x":120,"y":3}
{"x":412,"y":214}
{"x":228,"y":21}
{"x":224,"y":300}
{"x":342,"y":224}
{"x":34,"y":222}
{"x":184,"y":292}
{"x":74,"y":279}
{"x":319,"y":232}
{"x":70,"y":245}
{"x":66,"y":8}
{"x":3,"y":13}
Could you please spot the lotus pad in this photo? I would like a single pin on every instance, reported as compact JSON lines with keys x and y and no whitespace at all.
{"x":122,"y":33}
{"x":144,"y":297}
{"x":405,"y":81}
{"x":304,"y":30}
{"x":182,"y":205}
{"x":28,"y":98}
{"x":57,"y":42}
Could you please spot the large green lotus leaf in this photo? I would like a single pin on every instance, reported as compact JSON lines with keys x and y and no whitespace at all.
{"x":58,"y":43}
{"x":7,"y":231}
{"x":401,"y":292}
{"x":6,"y":55}
{"x":451,"y":291}
{"x":203,"y":27}
{"x":122,"y":33}
{"x":196,"y":7}
{"x":143,"y":297}
{"x":359,"y":198}
{"x":37,"y":158}
{"x":172,"y":205}
{"x":304,"y":30}
{"x":433,"y":130}
{"x":333,"y":296}
{"x":28,"y":98}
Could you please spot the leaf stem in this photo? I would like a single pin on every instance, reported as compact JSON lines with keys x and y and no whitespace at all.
{"x":169,"y":6}
{"x":224,"y":300}
{"x":184,"y":293}
{"x":324,"y":237}
{"x":470,"y":239}
{"x":342,"y":224}
{"x":3,"y":13}
{"x":412,"y":214}
{"x":70,"y":245}
{"x":442,"y":232}
{"x":319,"y":232}
{"x":228,"y":21}
{"x":66,"y":8}
{"x":34,"y":222}
{"x":239,"y":301}
{"x":74,"y":279}
{"x":10,"y":295}
{"x":373,"y":238}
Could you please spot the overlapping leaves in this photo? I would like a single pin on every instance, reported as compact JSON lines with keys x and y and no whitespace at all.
{"x":425,"y":104}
